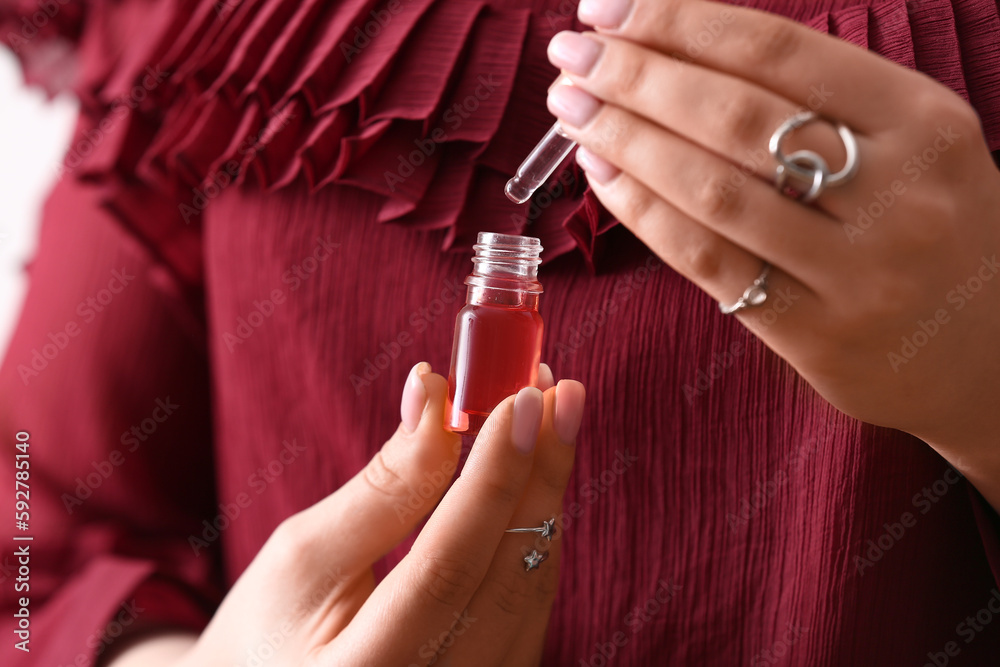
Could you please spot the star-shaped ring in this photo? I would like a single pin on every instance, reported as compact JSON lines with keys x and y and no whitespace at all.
{"x":534,"y":559}
{"x":547,"y":530}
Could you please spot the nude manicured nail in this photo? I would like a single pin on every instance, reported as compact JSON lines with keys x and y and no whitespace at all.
{"x":527,"y":419}
{"x":570,"y":399}
{"x":414,"y":396}
{"x":596,"y":167}
{"x":572,"y":105}
{"x":574,"y":52}
{"x":545,"y":377}
{"x":604,"y":13}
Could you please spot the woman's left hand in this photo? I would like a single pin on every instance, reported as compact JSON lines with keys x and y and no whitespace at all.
{"x":884,"y":292}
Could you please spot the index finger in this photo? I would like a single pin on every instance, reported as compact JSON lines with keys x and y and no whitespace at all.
{"x":812,"y":69}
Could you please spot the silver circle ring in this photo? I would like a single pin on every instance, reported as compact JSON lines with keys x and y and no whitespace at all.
{"x":808,"y":166}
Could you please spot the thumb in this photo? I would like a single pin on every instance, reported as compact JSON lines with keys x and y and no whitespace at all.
{"x":382,"y":504}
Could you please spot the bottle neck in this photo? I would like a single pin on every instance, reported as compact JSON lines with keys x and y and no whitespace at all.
{"x":501,"y":297}
{"x":505,"y":272}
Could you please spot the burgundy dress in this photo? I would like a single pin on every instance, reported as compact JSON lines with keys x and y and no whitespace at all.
{"x":263,"y":196}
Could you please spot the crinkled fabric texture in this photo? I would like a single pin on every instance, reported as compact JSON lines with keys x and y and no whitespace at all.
{"x":720,"y":512}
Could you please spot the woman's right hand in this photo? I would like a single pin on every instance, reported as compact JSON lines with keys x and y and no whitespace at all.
{"x":310,"y":596}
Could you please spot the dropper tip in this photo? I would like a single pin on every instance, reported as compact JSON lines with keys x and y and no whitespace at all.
{"x":516,"y":192}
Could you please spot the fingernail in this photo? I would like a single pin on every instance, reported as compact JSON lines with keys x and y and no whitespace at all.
{"x":527,"y":419}
{"x":570,"y":398}
{"x":574,"y":52}
{"x":414,"y":396}
{"x":604,"y":13}
{"x":572,"y":105}
{"x":545,"y":377}
{"x":596,"y":167}
{"x":561,"y":79}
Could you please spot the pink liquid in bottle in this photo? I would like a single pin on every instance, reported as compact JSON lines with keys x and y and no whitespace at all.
{"x":498,"y":334}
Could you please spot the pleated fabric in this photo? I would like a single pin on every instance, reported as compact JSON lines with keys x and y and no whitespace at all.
{"x":429,"y":106}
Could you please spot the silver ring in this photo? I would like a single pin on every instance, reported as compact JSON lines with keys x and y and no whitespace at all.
{"x":754,"y":295}
{"x":808,"y":166}
{"x":819,"y":175}
{"x":534,"y":559}
{"x":546,"y":530}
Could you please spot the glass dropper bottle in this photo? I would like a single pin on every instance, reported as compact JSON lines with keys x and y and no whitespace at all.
{"x":498,"y":334}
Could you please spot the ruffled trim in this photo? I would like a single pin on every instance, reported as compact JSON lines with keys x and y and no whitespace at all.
{"x":429,"y":106}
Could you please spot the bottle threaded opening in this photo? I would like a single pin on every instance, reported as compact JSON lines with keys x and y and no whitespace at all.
{"x":509,"y":261}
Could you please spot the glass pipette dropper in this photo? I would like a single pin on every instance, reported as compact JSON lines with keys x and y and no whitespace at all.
{"x":539,"y":165}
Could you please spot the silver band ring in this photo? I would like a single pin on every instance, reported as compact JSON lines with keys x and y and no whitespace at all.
{"x":546,"y":530}
{"x":808,"y":166}
{"x":754,"y":295}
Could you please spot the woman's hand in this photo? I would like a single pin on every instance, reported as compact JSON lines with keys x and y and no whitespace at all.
{"x":884,"y":292}
{"x":310,"y":597}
